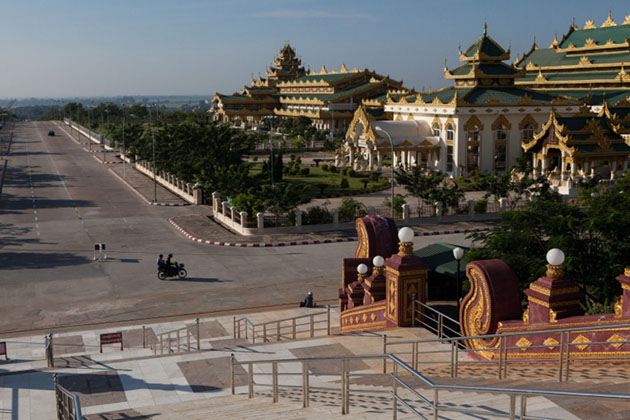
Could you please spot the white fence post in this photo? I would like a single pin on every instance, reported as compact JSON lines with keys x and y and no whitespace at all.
{"x":232,"y":213}
{"x":335,"y":213}
{"x":260,"y":220}
{"x":405,"y":211}
{"x":243,"y":219}
{"x":224,"y":208}
{"x":215,"y":201}
{"x":298,"y":217}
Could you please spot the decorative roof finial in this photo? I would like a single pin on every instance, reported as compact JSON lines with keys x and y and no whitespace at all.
{"x":485,"y":27}
{"x":445,"y":68}
{"x":573,"y":23}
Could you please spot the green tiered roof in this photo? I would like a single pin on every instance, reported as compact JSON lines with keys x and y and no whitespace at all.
{"x":589,"y":60}
{"x":484,"y":48}
{"x":617,"y":34}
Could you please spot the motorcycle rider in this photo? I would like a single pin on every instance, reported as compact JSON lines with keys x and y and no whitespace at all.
{"x":160,"y":262}
{"x":169,"y":266}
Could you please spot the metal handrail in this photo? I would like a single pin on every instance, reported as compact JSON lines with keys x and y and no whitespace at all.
{"x":398,"y":363}
{"x":158,"y":339}
{"x":270,"y":332}
{"x":441,"y":325}
{"x":68,"y":404}
{"x":563,"y":355}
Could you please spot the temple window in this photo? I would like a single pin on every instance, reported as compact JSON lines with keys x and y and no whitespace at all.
{"x":449,"y":158}
{"x":450,"y":133}
{"x":500,"y":147}
{"x":472,"y":149}
{"x":436,"y":130}
{"x":528,"y":133}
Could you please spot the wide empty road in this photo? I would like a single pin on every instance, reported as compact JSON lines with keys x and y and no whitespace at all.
{"x":57,"y":202}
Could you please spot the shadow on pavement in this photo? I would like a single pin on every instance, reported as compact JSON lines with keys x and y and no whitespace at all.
{"x":35,"y":260}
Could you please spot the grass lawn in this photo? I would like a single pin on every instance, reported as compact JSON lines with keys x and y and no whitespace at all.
{"x":332,"y":181}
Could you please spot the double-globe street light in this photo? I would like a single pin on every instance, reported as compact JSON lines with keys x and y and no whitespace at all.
{"x":379,"y":129}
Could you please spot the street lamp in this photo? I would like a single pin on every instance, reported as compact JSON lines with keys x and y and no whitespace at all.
{"x":271,"y":145}
{"x":154,"y":172}
{"x":380,"y":130}
{"x":123,"y":139}
{"x":458,"y":253}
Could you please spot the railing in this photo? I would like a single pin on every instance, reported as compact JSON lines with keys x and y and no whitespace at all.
{"x":68,"y":405}
{"x":396,"y":383}
{"x":286,"y":328}
{"x":176,"y":341}
{"x":455,"y":347}
{"x":433,"y":320}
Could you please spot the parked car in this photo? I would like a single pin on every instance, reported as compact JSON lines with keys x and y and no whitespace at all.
{"x":51,"y":133}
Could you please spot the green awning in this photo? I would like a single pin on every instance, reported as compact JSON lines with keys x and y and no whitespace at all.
{"x":439,"y":258}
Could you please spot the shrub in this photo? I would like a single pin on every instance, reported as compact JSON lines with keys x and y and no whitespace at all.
{"x":344,"y":171}
{"x":325,"y":167}
{"x":305,"y":171}
{"x":375,"y":176}
{"x":332,"y":169}
{"x":350,"y":209}
{"x":365,"y":182}
{"x":399,"y":200}
{"x":322,"y":188}
{"x":316,"y":215}
{"x":344,"y":183}
{"x":481,"y":206}
{"x":351,"y":172}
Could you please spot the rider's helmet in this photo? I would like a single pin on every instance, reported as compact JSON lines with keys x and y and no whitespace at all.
{"x":170,"y":255}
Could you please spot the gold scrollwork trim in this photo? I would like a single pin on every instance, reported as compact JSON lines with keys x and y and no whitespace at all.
{"x":553,"y":292}
{"x":555,"y":304}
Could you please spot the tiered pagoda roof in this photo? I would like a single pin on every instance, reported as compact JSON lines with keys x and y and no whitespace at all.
{"x":591,"y":60}
{"x":484,"y":79}
{"x":584,"y":133}
{"x":286,"y":66}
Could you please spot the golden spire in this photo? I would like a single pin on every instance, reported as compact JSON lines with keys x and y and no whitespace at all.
{"x":555,"y":42}
{"x":485,"y":27}
{"x":609,"y":20}
{"x":590,"y":24}
{"x":627,"y":21}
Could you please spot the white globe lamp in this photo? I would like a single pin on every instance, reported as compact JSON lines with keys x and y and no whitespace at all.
{"x":405,"y":234}
{"x":378,"y":261}
{"x":555,"y":256}
{"x":362,"y":269}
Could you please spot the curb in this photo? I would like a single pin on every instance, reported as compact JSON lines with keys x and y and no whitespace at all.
{"x":310,"y":242}
{"x":151,"y":203}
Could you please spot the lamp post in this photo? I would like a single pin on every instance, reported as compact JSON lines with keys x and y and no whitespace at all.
{"x":458,"y":253}
{"x":271,"y":145}
{"x":89,"y":129}
{"x":379,"y":129}
{"x":154,"y":172}
{"x":123,"y":139}
{"x":102,"y":136}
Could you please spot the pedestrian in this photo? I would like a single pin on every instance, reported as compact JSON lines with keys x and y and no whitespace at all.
{"x":308,"y":301}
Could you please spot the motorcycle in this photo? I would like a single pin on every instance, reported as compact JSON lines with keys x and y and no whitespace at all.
{"x":176,"y":270}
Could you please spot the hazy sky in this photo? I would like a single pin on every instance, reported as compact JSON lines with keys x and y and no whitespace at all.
{"x":154,"y":47}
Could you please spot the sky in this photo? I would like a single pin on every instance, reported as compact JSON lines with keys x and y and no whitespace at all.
{"x":82,"y":48}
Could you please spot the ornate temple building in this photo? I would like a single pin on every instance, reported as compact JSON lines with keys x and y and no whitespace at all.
{"x":328,"y":98}
{"x":495,"y":111}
